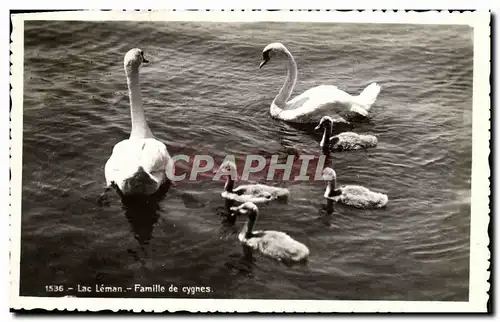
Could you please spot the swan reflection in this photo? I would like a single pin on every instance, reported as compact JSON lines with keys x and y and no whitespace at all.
{"x":143,"y":213}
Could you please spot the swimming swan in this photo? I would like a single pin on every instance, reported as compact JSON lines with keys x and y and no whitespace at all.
{"x":343,"y":141}
{"x":275,"y":244}
{"x":256,"y":193}
{"x":352,"y":195}
{"x":139,"y":164}
{"x":309,"y":106}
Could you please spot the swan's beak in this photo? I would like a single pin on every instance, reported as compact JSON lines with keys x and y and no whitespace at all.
{"x":317,"y":127}
{"x":263,"y":63}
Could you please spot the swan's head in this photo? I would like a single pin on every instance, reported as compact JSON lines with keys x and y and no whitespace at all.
{"x":270,"y":51}
{"x":227,"y":170}
{"x":226,"y":167}
{"x":326,"y":121}
{"x":134,"y":58}
{"x":247,"y":208}
{"x":329,"y":174}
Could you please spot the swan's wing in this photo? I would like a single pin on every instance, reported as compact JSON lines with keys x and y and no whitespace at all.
{"x":240,"y":190}
{"x":244,"y":198}
{"x":319,"y":96}
{"x":110,"y":170}
{"x":360,"y":110}
{"x":255,"y":190}
{"x":355,"y":190}
{"x":281,"y":246}
{"x":121,"y":163}
{"x":353,"y":141}
{"x":317,"y":102}
{"x":279,"y":192}
{"x":362,"y":197}
{"x":154,"y":158}
{"x":261,"y":190}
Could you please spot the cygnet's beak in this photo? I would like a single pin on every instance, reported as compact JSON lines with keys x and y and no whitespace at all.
{"x":144,"y":60}
{"x":262,"y":63}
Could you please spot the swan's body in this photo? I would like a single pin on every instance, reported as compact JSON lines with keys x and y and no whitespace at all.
{"x":352,"y":141}
{"x":256,"y":193}
{"x":344,"y":141}
{"x":311,"y":105}
{"x":139,"y":164}
{"x":352,"y":195}
{"x":275,"y":244}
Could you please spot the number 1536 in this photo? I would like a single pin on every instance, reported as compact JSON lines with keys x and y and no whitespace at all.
{"x":54,"y":288}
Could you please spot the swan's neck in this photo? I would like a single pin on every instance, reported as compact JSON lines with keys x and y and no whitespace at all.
{"x":140,"y":127}
{"x":324,"y":144}
{"x":229,"y":186}
{"x":330,"y":188}
{"x":248,"y":228}
{"x":279,"y":102}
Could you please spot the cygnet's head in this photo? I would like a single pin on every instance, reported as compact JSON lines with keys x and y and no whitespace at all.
{"x":227,"y":166}
{"x":134,"y":58}
{"x":247,"y":208}
{"x":270,"y":51}
{"x":329,"y":174}
{"x":324,"y":122}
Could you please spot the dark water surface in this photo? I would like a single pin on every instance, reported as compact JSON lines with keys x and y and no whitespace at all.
{"x":204,"y":93}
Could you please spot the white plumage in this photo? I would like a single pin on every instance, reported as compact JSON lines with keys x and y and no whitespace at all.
{"x":352,"y":195}
{"x":275,"y":244}
{"x":256,"y":193}
{"x":312,"y":104}
{"x":344,"y":141}
{"x":139,"y":164}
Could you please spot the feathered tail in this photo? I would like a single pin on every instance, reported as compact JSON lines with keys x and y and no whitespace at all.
{"x":140,"y":182}
{"x":366,"y":99}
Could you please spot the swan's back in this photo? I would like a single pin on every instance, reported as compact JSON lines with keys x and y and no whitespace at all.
{"x":361,"y":197}
{"x":277,"y":245}
{"x":261,"y":190}
{"x":138,"y":165}
{"x":256,"y":193}
{"x":312,"y":104}
{"x":353,"y":141}
{"x":242,"y":198}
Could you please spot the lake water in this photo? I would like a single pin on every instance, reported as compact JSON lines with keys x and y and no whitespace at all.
{"x":204,"y":94}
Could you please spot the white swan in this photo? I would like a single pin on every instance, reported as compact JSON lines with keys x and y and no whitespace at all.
{"x":256,"y":193}
{"x":275,"y":244}
{"x":311,"y":105}
{"x":139,"y":164}
{"x":352,"y":195}
{"x":343,"y":141}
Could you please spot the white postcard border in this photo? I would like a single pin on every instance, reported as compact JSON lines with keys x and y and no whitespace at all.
{"x":480,"y":184}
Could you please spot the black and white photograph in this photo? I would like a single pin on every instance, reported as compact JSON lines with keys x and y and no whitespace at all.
{"x":338,"y":158}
